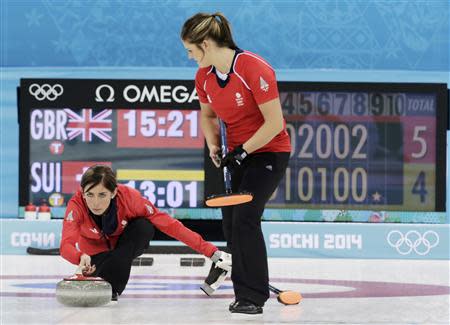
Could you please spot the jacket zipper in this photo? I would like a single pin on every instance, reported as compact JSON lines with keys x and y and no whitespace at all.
{"x":105,"y":237}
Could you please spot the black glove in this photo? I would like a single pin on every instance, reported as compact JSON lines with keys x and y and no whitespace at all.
{"x":234,"y":159}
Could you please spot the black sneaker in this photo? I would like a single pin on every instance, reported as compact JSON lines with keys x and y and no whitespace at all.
{"x":115,"y":296}
{"x":245,"y":307}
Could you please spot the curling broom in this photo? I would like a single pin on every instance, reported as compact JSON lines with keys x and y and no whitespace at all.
{"x":286,"y":297}
{"x":228,"y":198}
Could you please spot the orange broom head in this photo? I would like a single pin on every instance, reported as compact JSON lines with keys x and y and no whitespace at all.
{"x":223,"y":200}
{"x":289,"y":297}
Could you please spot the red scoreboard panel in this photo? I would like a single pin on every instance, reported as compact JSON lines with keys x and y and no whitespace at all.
{"x":163,"y":128}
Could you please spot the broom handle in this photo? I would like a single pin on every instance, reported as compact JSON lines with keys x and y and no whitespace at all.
{"x":224,"y":147}
{"x":274,"y":290}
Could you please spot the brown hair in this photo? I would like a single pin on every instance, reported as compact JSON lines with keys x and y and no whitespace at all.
{"x":99,"y":174}
{"x":202,"y":26}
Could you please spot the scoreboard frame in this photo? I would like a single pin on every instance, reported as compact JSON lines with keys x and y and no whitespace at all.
{"x":96,"y":93}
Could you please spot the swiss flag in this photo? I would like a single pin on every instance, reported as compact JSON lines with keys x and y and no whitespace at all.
{"x":72,"y":172}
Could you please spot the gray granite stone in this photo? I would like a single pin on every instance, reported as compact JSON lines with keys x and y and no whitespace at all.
{"x":83,"y":293}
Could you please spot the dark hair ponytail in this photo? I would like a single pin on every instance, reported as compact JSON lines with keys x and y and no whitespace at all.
{"x":202,"y":26}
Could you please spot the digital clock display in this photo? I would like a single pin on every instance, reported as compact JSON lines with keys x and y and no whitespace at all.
{"x":171,"y":194}
{"x":148,"y":131}
{"x":158,"y":129}
{"x":364,"y":146}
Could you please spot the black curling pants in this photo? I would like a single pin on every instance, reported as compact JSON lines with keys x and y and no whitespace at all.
{"x":259,"y":175}
{"x":114,"y":266}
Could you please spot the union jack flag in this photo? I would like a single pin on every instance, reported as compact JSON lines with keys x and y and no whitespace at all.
{"x":87,"y":126}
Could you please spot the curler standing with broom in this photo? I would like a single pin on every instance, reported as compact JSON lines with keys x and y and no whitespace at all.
{"x":240,"y":88}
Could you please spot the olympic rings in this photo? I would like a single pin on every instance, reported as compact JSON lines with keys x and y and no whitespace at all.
{"x":413,"y":241}
{"x":46,"y":91}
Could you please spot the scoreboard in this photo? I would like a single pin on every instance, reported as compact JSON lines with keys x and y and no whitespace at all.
{"x":366,"y":146}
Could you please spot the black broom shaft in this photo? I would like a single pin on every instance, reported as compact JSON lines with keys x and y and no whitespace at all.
{"x":273,"y":289}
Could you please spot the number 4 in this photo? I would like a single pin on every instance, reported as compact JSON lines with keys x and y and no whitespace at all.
{"x":420,"y":187}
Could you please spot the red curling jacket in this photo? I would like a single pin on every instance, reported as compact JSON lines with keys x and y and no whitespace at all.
{"x":80,"y":233}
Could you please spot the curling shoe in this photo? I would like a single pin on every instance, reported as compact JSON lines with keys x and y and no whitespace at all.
{"x":245,"y":307}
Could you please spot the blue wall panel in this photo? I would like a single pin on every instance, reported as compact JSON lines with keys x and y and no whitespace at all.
{"x":345,"y":34}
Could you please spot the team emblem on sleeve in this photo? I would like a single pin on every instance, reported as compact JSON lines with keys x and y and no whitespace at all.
{"x":70,"y":216}
{"x":263,"y":85}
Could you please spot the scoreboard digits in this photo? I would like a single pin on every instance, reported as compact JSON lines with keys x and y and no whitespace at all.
{"x":159,"y":129}
{"x":363,"y":146}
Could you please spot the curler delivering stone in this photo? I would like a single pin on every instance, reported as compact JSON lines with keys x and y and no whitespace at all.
{"x":82,"y":291}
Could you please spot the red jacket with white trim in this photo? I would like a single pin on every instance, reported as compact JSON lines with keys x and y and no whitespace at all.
{"x":250,"y":83}
{"x":80,"y":233}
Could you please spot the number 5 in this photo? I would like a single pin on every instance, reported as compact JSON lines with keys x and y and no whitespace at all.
{"x":423,"y":143}
{"x":148,"y":123}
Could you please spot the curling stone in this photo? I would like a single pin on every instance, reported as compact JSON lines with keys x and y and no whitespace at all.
{"x":83,"y":292}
